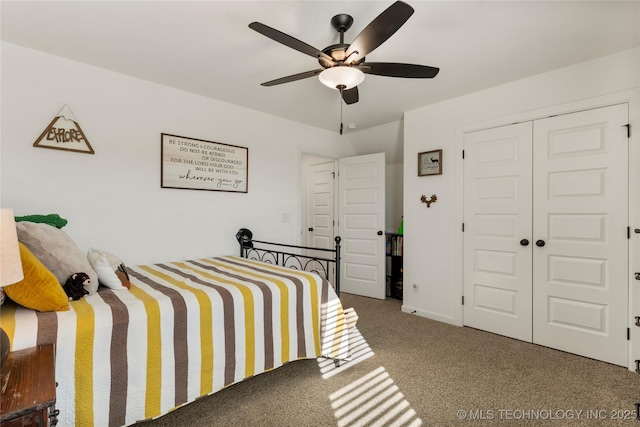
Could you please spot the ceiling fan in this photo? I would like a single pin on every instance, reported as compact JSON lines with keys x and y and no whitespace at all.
{"x":343,"y":65}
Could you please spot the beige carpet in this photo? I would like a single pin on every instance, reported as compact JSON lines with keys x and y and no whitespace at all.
{"x":410,"y":371}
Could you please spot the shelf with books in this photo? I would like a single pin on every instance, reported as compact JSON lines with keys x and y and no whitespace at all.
{"x":394,"y":251}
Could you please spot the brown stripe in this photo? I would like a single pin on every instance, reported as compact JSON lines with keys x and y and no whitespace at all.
{"x":180,"y":342}
{"x":229,"y":324}
{"x":118,"y":354}
{"x":267,"y":312}
{"x":299,"y":300}
{"x":47,"y":328}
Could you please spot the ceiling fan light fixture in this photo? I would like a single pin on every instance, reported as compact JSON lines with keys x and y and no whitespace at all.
{"x":341,"y":75}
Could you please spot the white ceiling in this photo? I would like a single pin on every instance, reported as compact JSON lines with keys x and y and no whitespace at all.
{"x":206,"y":47}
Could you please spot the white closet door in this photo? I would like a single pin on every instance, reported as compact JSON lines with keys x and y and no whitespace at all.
{"x":497,"y":201}
{"x":580,"y":286}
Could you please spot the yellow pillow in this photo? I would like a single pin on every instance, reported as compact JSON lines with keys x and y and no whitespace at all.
{"x":40,"y":289}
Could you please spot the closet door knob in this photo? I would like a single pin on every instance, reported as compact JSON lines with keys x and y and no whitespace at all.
{"x":524,"y":242}
{"x":380,"y":233}
{"x":540,"y":243}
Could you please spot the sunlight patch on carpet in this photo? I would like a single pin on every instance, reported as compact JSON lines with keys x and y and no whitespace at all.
{"x":373,"y":400}
{"x":359,"y":351}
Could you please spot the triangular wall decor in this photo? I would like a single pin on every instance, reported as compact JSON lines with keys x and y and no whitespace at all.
{"x":64,"y":133}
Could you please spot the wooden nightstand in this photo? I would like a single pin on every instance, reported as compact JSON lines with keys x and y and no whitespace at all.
{"x":29,"y":388}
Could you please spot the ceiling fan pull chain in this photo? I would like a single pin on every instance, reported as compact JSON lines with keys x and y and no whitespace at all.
{"x":340,"y":98}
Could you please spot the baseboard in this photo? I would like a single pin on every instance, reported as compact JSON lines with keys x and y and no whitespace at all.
{"x":430,"y":315}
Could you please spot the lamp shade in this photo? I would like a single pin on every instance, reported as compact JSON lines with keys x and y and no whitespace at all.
{"x":10,"y":263}
{"x":341,"y":75}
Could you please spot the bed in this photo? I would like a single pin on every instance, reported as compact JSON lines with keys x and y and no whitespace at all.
{"x":183,"y":330}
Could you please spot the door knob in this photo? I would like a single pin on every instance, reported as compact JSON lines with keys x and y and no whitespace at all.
{"x":380,"y":233}
{"x":310,"y":228}
{"x":524,"y":242}
{"x":540,"y":243}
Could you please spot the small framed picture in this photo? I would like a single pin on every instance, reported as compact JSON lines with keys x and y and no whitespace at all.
{"x":430,"y":163}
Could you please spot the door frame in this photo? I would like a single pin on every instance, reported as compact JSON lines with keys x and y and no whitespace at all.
{"x":632,"y":98}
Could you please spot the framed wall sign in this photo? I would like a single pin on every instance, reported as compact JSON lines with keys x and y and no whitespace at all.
{"x":196,"y":164}
{"x":430,"y":163}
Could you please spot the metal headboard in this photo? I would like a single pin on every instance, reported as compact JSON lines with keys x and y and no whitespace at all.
{"x":271,"y":253}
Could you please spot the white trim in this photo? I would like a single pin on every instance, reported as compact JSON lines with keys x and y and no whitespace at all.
{"x":430,"y":315}
{"x":634,"y":222}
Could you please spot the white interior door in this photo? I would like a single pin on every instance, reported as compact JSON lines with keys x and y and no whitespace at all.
{"x":320,"y":228}
{"x":320,"y":209}
{"x":361,"y":207}
{"x":497,"y":200}
{"x":580,"y":286}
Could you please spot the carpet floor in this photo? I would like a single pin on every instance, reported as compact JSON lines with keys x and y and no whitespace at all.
{"x":409,"y":371}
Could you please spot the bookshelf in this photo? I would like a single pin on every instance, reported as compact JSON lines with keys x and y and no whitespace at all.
{"x":394,"y":249}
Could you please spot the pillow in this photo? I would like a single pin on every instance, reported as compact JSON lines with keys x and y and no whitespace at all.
{"x":40,"y":289}
{"x":52,"y":219}
{"x":108,"y":266}
{"x":57,"y":251}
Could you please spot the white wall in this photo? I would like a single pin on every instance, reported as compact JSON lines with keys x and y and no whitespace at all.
{"x":113,"y":199}
{"x":433,"y":238}
{"x":393,"y":196}
{"x":386,"y":138}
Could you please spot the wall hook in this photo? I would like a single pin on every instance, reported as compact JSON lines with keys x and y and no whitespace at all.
{"x":430,"y":200}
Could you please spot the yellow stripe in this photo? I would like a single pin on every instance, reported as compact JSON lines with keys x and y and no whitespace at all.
{"x":85,"y":335}
{"x":206,"y":328}
{"x":8,"y":321}
{"x":154,"y":347}
{"x":315,"y":315}
{"x":284,"y":303}
{"x":314,"y":292}
{"x":249,"y":315}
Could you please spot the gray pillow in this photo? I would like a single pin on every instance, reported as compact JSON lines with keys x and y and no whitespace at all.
{"x":57,"y":251}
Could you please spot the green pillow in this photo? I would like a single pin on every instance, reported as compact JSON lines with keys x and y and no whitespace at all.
{"x":52,"y":219}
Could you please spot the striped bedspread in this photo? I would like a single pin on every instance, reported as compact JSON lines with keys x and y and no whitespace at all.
{"x":184,"y":330}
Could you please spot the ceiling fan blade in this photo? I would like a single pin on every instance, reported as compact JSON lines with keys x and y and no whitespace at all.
{"x":394,"y":69}
{"x":289,"y":41}
{"x":292,"y":78}
{"x":378,"y":31}
{"x":350,"y":96}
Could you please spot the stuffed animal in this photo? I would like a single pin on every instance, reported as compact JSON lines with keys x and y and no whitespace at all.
{"x":74,"y":287}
